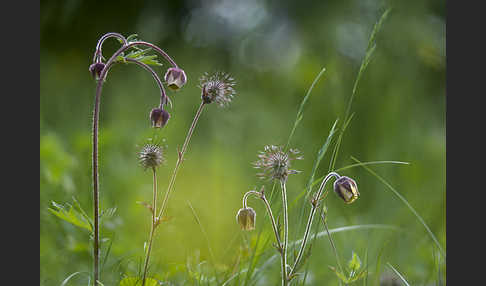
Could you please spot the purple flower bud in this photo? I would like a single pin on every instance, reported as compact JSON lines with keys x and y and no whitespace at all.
{"x":96,"y":69}
{"x":175,"y":78}
{"x":159,"y":117}
{"x":246,"y":218}
{"x":346,"y":189}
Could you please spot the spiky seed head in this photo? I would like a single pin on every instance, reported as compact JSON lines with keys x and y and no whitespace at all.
{"x":96,"y":69}
{"x":246,"y":218}
{"x":151,"y":156}
{"x":159,"y":117}
{"x":217,"y":87}
{"x":346,"y":189}
{"x":275,"y":163}
{"x":175,"y":78}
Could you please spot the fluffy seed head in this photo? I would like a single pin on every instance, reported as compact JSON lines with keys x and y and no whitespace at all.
{"x":246,"y":218}
{"x":346,"y":189}
{"x":218,"y":88}
{"x":151,"y":156}
{"x":275,"y":163}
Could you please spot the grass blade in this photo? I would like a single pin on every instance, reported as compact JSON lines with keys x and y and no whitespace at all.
{"x":398,"y":274}
{"x":300,"y":112}
{"x":407,"y":204}
{"x":364,"y":63}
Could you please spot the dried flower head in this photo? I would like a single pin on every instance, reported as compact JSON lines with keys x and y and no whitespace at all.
{"x":275,"y":163}
{"x":159,"y":117}
{"x":217,"y":87}
{"x":246,"y":218}
{"x":151,"y":156}
{"x":346,"y":189}
{"x":175,"y":78}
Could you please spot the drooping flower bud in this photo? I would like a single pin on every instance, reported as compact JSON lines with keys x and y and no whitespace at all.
{"x":159,"y":117}
{"x":346,"y":188}
{"x":246,"y":218}
{"x":96,"y":69}
{"x":175,"y":78}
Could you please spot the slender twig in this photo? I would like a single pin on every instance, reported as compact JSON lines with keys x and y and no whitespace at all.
{"x":180,"y":159}
{"x":154,"y":225}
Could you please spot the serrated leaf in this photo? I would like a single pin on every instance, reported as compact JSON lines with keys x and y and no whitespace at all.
{"x":136,"y":281}
{"x":138,"y":53}
{"x":132,"y":37}
{"x":150,"y":60}
{"x":70,"y":215}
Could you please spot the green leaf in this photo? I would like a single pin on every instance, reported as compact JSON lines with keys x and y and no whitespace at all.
{"x":132,"y":38}
{"x":136,"y":281}
{"x":70,"y":215}
{"x":355,"y":263}
{"x":150,"y":60}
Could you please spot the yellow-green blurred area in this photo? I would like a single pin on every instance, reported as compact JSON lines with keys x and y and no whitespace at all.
{"x":274,"y":50}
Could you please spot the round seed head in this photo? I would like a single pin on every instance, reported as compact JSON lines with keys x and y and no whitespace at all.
{"x":275,"y":163}
{"x":151,"y":156}
{"x":218,"y":88}
{"x":346,"y":189}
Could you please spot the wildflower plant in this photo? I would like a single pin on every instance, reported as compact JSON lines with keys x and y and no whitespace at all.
{"x":217,"y":87}
{"x":275,"y":164}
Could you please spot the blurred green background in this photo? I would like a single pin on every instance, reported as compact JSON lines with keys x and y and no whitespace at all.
{"x":274,"y":49}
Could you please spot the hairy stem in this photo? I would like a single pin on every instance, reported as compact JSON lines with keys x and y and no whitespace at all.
{"x":180,"y":160}
{"x":311,"y":218}
{"x":286,"y":233}
{"x":96,"y":114}
{"x":152,"y":229}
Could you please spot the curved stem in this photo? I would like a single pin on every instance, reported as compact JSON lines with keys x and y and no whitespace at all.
{"x":102,"y":39}
{"x":152,"y":229}
{"x":163,"y":97}
{"x":247,"y":194}
{"x":274,"y":225}
{"x":96,"y":112}
{"x":315,"y":202}
{"x":286,"y":233}
{"x":180,"y":160}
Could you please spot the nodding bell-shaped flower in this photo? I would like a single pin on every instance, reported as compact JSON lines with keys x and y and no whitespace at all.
{"x":159,"y":117}
{"x":96,"y":69}
{"x":175,"y":78}
{"x":346,"y":188}
{"x":246,"y":218}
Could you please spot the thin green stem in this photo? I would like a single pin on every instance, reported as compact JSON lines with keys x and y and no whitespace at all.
{"x":154,"y":225}
{"x":180,"y":160}
{"x":332,"y":244}
{"x":286,"y":232}
{"x":314,"y":203}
